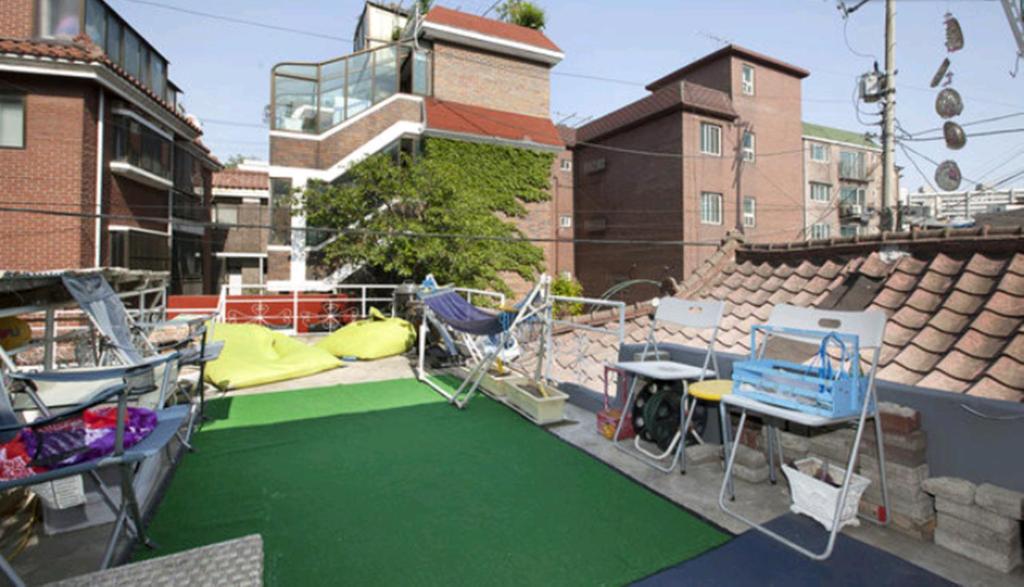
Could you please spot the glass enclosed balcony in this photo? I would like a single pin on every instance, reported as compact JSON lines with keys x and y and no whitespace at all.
{"x":314,"y":97}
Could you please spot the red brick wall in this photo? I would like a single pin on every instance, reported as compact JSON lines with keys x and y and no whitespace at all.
{"x":562,"y":188}
{"x":49,"y":173}
{"x":637,"y":197}
{"x":17,"y":18}
{"x":479,"y":78}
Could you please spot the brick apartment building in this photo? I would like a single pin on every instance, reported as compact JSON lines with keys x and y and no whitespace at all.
{"x":465,"y":77}
{"x":91,"y":125}
{"x":241,"y":207}
{"x":843,"y":172}
{"x":716,"y":147}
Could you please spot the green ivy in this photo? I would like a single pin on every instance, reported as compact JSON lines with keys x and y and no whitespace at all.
{"x":454,"y":188}
{"x":568,"y":287}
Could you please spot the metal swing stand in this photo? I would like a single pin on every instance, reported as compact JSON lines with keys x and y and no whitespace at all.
{"x":535,"y":304}
{"x":685,"y":313}
{"x":869,"y":327}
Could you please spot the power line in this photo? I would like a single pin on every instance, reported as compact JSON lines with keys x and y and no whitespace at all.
{"x":1005,"y":131}
{"x":913,"y":162}
{"x":242,"y":21}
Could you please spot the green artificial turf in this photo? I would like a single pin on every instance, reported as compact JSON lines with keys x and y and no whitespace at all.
{"x":386,"y":484}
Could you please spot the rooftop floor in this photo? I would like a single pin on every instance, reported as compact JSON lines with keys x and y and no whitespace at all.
{"x":79,"y":552}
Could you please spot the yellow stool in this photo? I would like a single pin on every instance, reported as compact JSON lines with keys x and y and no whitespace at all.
{"x":711,"y":390}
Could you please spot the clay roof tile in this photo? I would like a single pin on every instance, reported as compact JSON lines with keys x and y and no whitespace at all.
{"x":1006,"y":304}
{"x":992,"y":389}
{"x":961,"y":366}
{"x":911,"y":318}
{"x":935,"y":282}
{"x":993,"y":324}
{"x":982,"y":265}
{"x":963,"y":303}
{"x":945,"y":265}
{"x":874,"y":267}
{"x":979,"y":344}
{"x":940,"y":380}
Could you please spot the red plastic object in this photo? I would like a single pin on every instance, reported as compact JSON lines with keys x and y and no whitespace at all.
{"x":608,"y":418}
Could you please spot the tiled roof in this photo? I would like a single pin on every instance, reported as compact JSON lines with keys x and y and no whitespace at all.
{"x":955,"y":301}
{"x":568,"y":134}
{"x":837,"y":134}
{"x":484,"y":122}
{"x":685,"y":95}
{"x":237,"y":179}
{"x":82,"y":49}
{"x":487,"y":26}
{"x":741,"y":52}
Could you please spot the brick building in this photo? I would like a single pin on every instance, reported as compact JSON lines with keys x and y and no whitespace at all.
{"x":843,"y":172}
{"x":241,"y":207}
{"x":465,"y":77}
{"x":716,"y":147}
{"x":90,"y":125}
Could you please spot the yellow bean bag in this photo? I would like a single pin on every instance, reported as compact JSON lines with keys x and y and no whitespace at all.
{"x":14,"y":332}
{"x":255,"y":355}
{"x":373,"y":338}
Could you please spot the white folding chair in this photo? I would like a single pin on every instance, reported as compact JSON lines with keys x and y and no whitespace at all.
{"x":869,"y":328}
{"x":701,"y":315}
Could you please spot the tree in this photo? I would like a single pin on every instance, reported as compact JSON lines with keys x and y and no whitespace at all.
{"x":453,"y":191}
{"x":522,"y":13}
{"x":425,"y":6}
{"x":235,"y":160}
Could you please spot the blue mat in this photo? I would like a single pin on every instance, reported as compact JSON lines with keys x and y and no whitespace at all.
{"x":755,"y":559}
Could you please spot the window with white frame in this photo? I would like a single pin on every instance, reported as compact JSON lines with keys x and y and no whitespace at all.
{"x":565,"y":221}
{"x":820,"y":231}
{"x":821,"y":192}
{"x":819,"y":152}
{"x":566,"y":164}
{"x":12,"y":121}
{"x":748,"y":79}
{"x":748,"y":145}
{"x":710,"y":139}
{"x":226,"y":213}
{"x":849,"y":230}
{"x":710,"y":208}
{"x":749,"y":211}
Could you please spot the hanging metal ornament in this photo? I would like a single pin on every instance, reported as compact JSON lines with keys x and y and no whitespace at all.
{"x":954,"y":134}
{"x":954,"y":34}
{"x":947,"y":176}
{"x":940,"y":73}
{"x":948,"y":103}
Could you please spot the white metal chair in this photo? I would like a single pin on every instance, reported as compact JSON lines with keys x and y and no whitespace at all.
{"x":701,"y":315}
{"x":869,"y":328}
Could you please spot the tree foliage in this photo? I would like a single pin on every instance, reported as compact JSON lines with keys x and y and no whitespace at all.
{"x":454,"y":188}
{"x":522,"y":13}
{"x":569,"y":287}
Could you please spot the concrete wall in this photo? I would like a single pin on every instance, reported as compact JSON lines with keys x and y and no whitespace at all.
{"x":960,"y":443}
{"x":479,"y":78}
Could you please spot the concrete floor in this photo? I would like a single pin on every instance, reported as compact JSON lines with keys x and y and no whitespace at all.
{"x":79,"y":552}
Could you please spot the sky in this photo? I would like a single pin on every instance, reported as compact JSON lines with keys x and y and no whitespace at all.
{"x":224,"y":68}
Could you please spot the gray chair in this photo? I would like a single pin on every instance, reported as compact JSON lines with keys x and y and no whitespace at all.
{"x":134,"y":380}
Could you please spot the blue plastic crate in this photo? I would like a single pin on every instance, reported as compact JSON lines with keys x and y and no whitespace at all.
{"x":827,"y":387}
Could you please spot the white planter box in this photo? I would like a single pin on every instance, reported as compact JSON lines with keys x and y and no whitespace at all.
{"x":498,"y":386}
{"x":817,"y":499}
{"x":542,"y":410}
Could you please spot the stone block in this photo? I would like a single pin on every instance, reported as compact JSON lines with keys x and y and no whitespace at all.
{"x":751,"y":474}
{"x":918,"y":506}
{"x":923,"y":530}
{"x":700,"y":454}
{"x":895,"y":474}
{"x":979,"y":544}
{"x":907,"y":449}
{"x":794,"y":446}
{"x":750,"y":458}
{"x":1002,"y":501}
{"x":957,"y":490}
{"x":833,"y":446}
{"x":898,"y":419}
{"x":972,"y":513}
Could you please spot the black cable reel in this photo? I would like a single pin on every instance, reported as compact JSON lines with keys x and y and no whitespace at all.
{"x":656,"y":413}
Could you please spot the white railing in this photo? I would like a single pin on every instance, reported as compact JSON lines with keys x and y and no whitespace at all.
{"x":967,"y":204}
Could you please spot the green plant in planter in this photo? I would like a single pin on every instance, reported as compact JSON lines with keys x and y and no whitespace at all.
{"x":569,"y":287}
{"x":445,"y":212}
{"x":522,"y":13}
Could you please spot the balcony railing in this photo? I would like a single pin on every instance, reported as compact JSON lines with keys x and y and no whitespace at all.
{"x":315,"y":97}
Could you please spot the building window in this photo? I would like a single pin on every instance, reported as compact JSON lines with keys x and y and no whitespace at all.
{"x":710,"y":139}
{"x":748,"y":80}
{"x":849,"y":230}
{"x":281,"y":211}
{"x":821,"y":192}
{"x":852,"y":196}
{"x":139,"y":250}
{"x":749,"y":211}
{"x":851,"y":164}
{"x":141,"y":147}
{"x":225,"y":214}
{"x":710,"y":208}
{"x":59,"y":19}
{"x":566,"y":165}
{"x":819,"y":152}
{"x":565,"y":221}
{"x":820,"y":231}
{"x":748,"y":145}
{"x":12,"y":121}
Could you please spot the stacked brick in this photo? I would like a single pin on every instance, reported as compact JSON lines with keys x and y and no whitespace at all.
{"x":980,"y":522}
{"x":912,"y":509}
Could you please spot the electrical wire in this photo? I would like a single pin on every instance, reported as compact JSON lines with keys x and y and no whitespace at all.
{"x":913,"y":162}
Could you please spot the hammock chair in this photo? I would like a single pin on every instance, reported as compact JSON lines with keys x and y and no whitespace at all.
{"x":445,"y":309}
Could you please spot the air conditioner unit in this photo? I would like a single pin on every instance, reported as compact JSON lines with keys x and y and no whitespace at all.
{"x":856,"y":210}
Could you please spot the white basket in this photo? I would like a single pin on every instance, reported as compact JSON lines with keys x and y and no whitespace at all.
{"x":817,"y":499}
{"x":62,"y":493}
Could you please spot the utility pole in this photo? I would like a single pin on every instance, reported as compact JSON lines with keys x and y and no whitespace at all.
{"x":889,"y":194}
